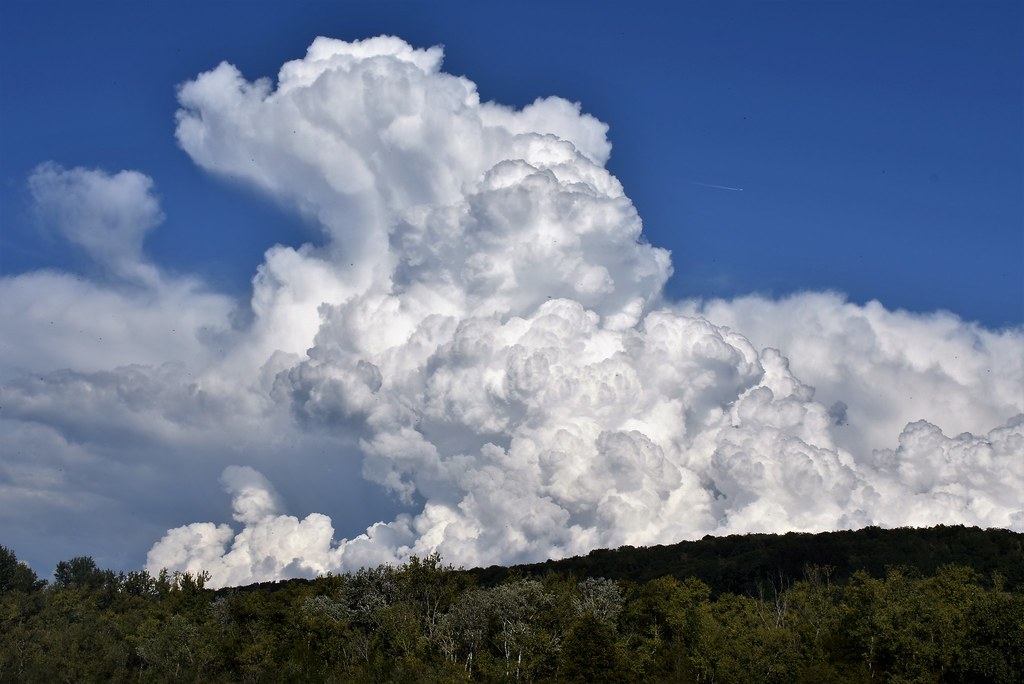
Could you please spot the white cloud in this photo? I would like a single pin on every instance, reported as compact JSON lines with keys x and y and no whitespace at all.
{"x":271,"y":545}
{"x":58,"y":320}
{"x":108,"y":216}
{"x":124,"y":391}
{"x":889,"y":368}
{"x":483,"y":335}
{"x":967,"y":479}
{"x":127,"y":311}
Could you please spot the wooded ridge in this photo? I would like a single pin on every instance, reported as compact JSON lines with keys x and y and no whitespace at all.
{"x":905,"y":605}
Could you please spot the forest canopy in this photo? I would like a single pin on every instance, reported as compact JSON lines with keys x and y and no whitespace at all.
{"x":906,"y":605}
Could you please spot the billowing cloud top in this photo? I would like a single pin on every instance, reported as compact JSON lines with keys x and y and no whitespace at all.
{"x":483,"y":333}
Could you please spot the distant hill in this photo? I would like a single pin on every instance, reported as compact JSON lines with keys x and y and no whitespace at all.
{"x":736,"y":563}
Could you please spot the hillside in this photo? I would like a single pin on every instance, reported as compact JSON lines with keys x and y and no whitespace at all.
{"x":738,"y":562}
{"x":944,"y":604}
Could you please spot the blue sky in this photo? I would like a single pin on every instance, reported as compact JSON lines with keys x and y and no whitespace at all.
{"x":464,"y":347}
{"x":879,"y":145}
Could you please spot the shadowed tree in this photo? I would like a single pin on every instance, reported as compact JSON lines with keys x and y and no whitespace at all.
{"x":80,"y":571}
{"x":15,"y":575}
{"x":588,"y":653}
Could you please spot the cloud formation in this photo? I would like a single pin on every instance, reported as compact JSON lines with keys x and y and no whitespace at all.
{"x":883,"y":368}
{"x":108,"y":216}
{"x":482,"y":335}
{"x":129,"y":311}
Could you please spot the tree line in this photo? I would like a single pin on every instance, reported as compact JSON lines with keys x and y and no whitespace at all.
{"x":424,"y":621}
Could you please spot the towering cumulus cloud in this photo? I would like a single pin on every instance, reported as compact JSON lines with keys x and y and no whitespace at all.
{"x":482,"y":331}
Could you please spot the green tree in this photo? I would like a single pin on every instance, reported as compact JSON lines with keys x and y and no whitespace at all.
{"x":462,"y":631}
{"x":518,"y":631}
{"x":80,"y":571}
{"x":177,"y":650}
{"x":15,"y":575}
{"x":588,"y":654}
{"x":746,"y":640}
{"x":910,"y":628}
{"x":994,"y":640}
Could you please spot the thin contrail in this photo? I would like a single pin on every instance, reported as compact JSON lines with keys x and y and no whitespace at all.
{"x":712,"y":185}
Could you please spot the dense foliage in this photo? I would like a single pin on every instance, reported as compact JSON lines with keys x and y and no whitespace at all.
{"x":737,"y":563}
{"x":427,"y":622}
